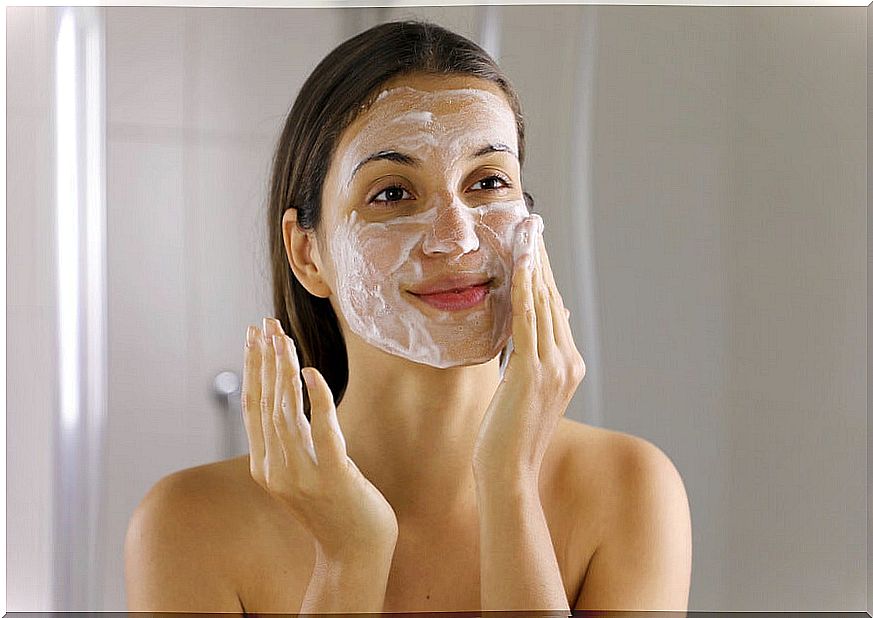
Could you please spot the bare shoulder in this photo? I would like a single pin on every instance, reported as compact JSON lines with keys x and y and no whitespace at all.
{"x":628,"y":505}
{"x":617,"y":466}
{"x":195,"y":535}
{"x":230,"y":504}
{"x":205,"y":497}
{"x":173,"y":557}
{"x":618,"y":455}
{"x":608,"y":476}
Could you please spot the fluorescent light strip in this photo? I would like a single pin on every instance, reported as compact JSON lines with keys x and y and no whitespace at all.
{"x":67,"y":221}
{"x":95,"y":249}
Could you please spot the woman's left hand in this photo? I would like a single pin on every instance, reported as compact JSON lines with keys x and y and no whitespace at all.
{"x":542,"y":374}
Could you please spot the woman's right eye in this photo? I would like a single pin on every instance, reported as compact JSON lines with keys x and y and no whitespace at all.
{"x":394,"y":193}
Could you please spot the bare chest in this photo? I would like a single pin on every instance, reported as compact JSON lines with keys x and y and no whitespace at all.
{"x":435,"y":567}
{"x":434,"y":570}
{"x":428,"y":573}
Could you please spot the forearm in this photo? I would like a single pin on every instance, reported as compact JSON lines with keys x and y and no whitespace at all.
{"x":519,"y":569}
{"x":348,"y":584}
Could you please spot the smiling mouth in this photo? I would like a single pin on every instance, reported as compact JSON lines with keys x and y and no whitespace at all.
{"x":457,"y":299}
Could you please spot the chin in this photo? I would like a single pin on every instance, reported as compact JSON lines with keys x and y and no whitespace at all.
{"x":459,"y":347}
{"x":469,"y":358}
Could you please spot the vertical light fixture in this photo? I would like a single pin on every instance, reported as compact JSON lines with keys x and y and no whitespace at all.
{"x":81,"y":280}
{"x":489,"y":29}
{"x":581,"y":144}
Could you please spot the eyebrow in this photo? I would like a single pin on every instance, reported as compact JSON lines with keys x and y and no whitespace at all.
{"x":405,"y":159}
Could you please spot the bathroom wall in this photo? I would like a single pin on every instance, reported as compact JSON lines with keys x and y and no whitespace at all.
{"x":31,"y":308}
{"x":729,"y":234}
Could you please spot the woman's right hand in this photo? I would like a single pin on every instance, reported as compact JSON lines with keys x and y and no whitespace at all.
{"x":305,"y":466}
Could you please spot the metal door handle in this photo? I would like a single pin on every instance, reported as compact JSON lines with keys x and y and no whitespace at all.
{"x":226,"y":387}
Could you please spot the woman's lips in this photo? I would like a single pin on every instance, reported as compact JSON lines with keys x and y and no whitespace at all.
{"x":457,"y":300}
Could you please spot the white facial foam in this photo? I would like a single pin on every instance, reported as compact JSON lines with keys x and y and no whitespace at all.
{"x":379,"y":252}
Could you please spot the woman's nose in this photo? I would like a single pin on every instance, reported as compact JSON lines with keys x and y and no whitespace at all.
{"x":453,"y":230}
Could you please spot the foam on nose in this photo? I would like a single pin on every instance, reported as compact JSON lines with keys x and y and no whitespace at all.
{"x":454,"y":228}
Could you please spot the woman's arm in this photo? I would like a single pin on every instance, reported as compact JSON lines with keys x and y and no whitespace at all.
{"x":352,"y":583}
{"x":644,"y":560}
{"x":519,"y":570}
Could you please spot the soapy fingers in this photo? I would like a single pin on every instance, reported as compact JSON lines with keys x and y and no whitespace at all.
{"x":292,"y":429}
{"x":542,"y":301}
{"x":524,"y":314}
{"x":269,"y":466}
{"x":272,"y":407}
{"x":559,"y":313}
{"x":542,"y":373}
{"x":305,"y":465}
{"x":540,"y":321}
{"x":251,"y":401}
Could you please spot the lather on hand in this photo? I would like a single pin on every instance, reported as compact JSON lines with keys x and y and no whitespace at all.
{"x":305,"y":467}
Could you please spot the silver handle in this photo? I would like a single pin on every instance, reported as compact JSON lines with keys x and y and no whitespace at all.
{"x":226,"y":387}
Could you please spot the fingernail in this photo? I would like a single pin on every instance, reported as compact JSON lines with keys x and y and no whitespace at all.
{"x":277,"y":342}
{"x":250,"y":336}
{"x":305,"y":372}
{"x":525,"y":237}
{"x":525,"y":261}
{"x":267,"y":329}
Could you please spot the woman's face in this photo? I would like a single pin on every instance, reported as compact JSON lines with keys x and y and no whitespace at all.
{"x":425,"y":185}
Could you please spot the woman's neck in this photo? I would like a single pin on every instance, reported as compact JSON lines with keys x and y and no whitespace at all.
{"x":410,"y":428}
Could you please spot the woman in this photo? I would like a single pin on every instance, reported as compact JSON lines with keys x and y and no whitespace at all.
{"x":423,"y":466}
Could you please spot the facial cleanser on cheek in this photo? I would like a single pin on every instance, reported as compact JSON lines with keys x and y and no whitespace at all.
{"x":377,"y":264}
{"x":381,"y":264}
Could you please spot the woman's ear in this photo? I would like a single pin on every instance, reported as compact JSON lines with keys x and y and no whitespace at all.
{"x":301,"y":248}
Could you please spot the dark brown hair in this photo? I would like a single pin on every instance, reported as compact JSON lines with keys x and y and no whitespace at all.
{"x":344,"y":84}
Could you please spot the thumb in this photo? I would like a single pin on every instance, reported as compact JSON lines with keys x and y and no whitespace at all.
{"x":327,"y":437}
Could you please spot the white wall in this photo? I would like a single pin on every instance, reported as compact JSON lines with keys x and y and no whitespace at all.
{"x":730,"y":239}
{"x":31,"y":308}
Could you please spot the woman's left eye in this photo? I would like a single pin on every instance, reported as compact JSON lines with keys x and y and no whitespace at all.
{"x":490,"y":180}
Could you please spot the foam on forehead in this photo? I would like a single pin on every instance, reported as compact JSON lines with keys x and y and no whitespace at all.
{"x":413,"y":121}
{"x":424,"y":102}
{"x":408,"y":90}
